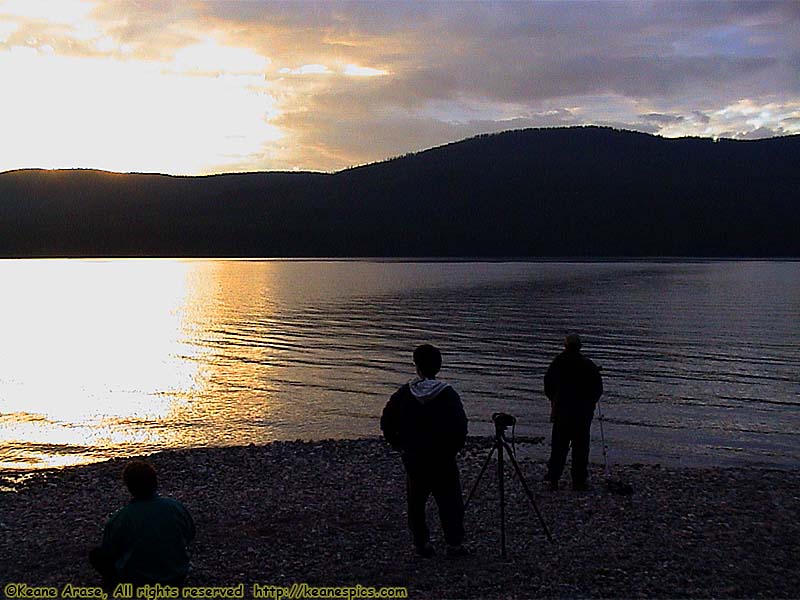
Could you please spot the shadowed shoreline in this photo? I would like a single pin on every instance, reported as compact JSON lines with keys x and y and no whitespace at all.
{"x":332,"y":513}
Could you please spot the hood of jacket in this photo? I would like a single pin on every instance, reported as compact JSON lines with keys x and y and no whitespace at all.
{"x":425,"y":390}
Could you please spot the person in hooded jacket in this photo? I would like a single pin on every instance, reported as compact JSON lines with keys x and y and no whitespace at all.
{"x":573,"y":385}
{"x":425,"y":420}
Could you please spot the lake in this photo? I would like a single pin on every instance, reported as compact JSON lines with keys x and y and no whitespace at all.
{"x":108,"y":358}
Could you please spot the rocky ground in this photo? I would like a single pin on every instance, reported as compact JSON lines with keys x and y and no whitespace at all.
{"x":333,"y":513}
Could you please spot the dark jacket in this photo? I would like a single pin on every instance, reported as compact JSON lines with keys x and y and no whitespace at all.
{"x":425,"y":420}
{"x":147,"y":540}
{"x":574,"y":385}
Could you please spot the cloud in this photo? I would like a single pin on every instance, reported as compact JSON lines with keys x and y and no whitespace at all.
{"x":209,"y":56}
{"x":356,"y":71}
{"x":757,"y":134}
{"x":663,"y":119}
{"x":307,"y":70}
{"x":343,"y":83}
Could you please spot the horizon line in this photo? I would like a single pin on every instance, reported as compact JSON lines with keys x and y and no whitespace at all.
{"x":397,"y":157}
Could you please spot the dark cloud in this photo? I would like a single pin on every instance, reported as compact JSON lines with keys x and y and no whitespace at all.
{"x":511,"y":51}
{"x":660,"y":119}
{"x":526,"y":84}
{"x":758,"y":134}
{"x":514,"y":49}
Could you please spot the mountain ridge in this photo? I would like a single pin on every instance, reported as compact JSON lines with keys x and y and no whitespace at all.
{"x":582,"y":191}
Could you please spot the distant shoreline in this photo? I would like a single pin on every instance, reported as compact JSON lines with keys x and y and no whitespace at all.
{"x":432,"y":259}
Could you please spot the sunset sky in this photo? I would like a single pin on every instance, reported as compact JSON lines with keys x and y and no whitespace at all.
{"x":188,"y":87}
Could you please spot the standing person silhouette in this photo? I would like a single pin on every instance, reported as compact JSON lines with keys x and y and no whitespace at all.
{"x":573,"y":385}
{"x":425,"y":420}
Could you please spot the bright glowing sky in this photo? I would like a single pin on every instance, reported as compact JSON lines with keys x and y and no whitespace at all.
{"x":188,"y":87}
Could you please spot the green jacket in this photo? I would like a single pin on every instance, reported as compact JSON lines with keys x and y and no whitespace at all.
{"x":147,"y":540}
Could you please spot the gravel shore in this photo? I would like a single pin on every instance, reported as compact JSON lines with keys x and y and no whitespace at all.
{"x":332,"y":513}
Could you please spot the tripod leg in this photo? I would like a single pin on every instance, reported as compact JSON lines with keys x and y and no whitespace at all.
{"x":478,"y":480}
{"x":527,"y":491}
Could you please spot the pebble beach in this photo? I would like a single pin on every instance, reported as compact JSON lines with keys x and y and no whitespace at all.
{"x":332,"y":513}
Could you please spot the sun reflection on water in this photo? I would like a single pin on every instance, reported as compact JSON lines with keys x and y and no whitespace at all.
{"x":106,"y":357}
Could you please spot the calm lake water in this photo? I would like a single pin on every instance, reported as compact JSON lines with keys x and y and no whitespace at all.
{"x":118,"y":357}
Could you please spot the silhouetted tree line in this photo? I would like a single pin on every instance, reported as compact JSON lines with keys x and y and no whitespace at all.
{"x":585,"y":191}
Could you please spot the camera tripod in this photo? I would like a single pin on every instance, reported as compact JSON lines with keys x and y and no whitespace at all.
{"x":501,"y":423}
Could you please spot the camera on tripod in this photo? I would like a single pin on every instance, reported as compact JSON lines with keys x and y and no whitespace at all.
{"x":503,"y":421}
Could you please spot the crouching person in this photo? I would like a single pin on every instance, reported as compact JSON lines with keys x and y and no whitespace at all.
{"x":425,"y":420}
{"x":145,"y":542}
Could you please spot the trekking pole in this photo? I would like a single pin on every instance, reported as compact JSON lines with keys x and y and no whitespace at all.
{"x":603,"y":440}
{"x":615,"y":486}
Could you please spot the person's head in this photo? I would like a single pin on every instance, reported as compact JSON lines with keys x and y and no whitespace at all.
{"x":140,"y":479}
{"x":428,"y":360}
{"x":572,"y":343}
